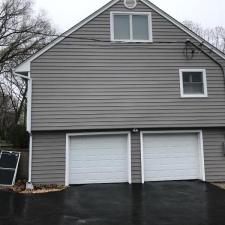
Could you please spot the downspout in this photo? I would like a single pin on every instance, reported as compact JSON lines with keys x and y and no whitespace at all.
{"x":207,"y":54}
{"x":29,"y":95}
{"x":29,"y":184}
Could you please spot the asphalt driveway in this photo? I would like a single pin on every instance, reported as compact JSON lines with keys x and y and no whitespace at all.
{"x":163,"y":203}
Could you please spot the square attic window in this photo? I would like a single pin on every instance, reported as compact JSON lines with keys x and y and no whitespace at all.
{"x":193,"y":83}
{"x":131,"y":27}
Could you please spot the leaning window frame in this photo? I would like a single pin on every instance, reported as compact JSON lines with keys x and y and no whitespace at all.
{"x":149,"y":14}
{"x":205,"y":88}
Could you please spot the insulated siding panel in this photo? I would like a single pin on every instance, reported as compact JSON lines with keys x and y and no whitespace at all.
{"x":214,"y":140}
{"x":83,"y":84}
{"x":48,"y":163}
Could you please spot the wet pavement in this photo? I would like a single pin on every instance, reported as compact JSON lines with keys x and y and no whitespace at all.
{"x":160,"y":203}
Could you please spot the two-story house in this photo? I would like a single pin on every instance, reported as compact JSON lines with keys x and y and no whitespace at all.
{"x":127,"y":95}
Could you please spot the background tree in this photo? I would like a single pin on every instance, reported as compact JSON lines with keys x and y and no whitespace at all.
{"x":215,"y":35}
{"x":22,"y":33}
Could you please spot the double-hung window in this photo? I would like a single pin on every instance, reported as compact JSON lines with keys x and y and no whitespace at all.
{"x":131,"y":27}
{"x":193,"y":83}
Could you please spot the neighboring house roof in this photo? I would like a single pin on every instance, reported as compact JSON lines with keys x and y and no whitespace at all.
{"x":25,"y":66}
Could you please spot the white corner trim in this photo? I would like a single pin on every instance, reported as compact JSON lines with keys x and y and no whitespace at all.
{"x":29,"y":103}
{"x":200,"y":146}
{"x":68,"y":135}
{"x":142,"y":159}
{"x":67,"y":160}
{"x":129,"y":158}
{"x":202,"y":157}
{"x":203,"y":71}
{"x":113,"y":13}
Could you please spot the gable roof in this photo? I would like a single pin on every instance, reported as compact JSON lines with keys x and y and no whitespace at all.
{"x":25,"y":66}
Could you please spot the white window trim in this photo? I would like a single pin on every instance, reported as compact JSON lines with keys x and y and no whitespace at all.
{"x":68,"y":135}
{"x":200,"y":145}
{"x":131,"y":26}
{"x":204,"y":84}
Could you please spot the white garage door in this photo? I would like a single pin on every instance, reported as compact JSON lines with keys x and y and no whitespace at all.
{"x":171,"y":157}
{"x":98,"y":159}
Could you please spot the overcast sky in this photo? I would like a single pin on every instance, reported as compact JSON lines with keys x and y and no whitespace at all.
{"x":66,"y":13}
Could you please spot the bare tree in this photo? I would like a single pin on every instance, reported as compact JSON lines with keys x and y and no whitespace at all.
{"x":22,"y":33}
{"x":215,"y":35}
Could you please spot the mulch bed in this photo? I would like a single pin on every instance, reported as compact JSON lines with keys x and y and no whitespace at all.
{"x":20,"y":187}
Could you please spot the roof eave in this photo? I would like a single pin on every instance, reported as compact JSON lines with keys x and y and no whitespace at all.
{"x":25,"y":66}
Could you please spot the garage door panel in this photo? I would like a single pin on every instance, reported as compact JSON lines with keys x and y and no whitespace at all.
{"x":100,"y":156}
{"x":171,"y":178}
{"x":102,"y":163}
{"x":162,"y":166}
{"x":170,"y":161}
{"x":168,"y":139}
{"x":171,"y":157}
{"x":98,"y":159}
{"x":184,"y":149}
{"x":99,"y":177}
{"x":92,"y":153}
{"x":97,"y":169}
{"x":92,"y":140}
{"x":89,"y":153}
{"x":100,"y":171}
{"x":174,"y":173}
{"x":94,"y":179}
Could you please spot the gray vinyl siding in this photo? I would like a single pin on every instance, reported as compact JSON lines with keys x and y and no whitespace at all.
{"x":48,"y":160}
{"x":81,"y":85}
{"x":135,"y":158}
{"x":214,"y":140}
{"x":48,"y":165}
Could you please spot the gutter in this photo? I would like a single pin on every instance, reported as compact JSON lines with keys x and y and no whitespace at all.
{"x":29,"y":95}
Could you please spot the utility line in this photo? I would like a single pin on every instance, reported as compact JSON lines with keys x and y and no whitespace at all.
{"x":92,"y":39}
{"x":107,"y":43}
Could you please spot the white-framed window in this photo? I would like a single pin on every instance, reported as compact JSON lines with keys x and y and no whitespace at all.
{"x":131,"y":26}
{"x":193,"y":83}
